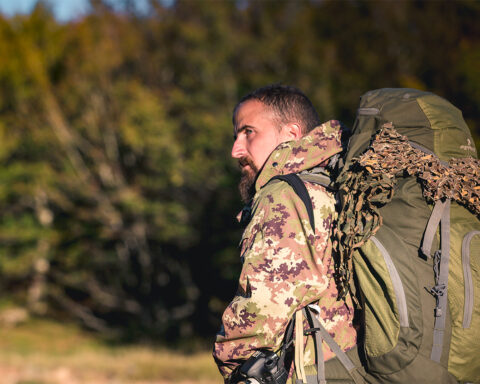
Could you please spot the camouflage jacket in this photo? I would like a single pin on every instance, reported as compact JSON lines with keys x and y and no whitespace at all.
{"x":285,"y":265}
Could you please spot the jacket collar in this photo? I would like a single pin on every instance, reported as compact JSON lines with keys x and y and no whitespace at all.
{"x":309,"y":151}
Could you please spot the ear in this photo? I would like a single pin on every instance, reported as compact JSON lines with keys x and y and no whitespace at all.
{"x":292,"y":131}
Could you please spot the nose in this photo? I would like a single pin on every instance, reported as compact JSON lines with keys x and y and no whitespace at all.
{"x":238,"y":149}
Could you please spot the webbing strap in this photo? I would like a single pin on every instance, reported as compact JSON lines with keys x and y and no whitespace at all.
{"x":318,"y":345}
{"x":432,"y":226}
{"x":442,"y":281}
{"x":342,"y":356}
{"x":299,"y":187}
{"x":317,"y":178}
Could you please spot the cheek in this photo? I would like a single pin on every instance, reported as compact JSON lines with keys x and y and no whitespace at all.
{"x":262,"y":151}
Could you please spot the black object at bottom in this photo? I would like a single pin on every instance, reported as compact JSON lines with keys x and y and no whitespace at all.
{"x":265,"y":367}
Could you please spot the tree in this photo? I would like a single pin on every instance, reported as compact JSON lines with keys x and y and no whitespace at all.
{"x":116,"y":189}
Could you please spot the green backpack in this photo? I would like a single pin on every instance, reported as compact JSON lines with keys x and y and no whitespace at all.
{"x":408,"y":242}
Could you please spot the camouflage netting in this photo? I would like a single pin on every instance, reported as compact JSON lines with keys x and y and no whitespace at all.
{"x":369,"y":184}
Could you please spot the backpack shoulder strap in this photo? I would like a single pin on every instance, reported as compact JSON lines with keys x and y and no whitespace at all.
{"x":296,"y":181}
{"x":299,"y":187}
{"x":317,"y":178}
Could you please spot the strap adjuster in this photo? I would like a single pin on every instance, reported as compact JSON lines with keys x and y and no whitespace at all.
{"x":310,"y":331}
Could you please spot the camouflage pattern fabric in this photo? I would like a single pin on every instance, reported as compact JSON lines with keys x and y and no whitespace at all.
{"x":369,"y":184}
{"x":285,"y":265}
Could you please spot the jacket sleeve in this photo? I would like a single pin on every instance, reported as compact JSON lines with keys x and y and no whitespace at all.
{"x":285,"y":267}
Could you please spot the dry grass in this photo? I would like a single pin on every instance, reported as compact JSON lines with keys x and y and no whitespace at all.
{"x":40,"y":352}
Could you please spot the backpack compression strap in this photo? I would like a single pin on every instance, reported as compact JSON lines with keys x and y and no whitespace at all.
{"x":440,"y":216}
{"x":321,"y":334}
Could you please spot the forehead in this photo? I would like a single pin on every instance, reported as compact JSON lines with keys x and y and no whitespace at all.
{"x":252,"y":113}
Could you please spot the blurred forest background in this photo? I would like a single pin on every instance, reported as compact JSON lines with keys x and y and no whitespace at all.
{"x":117,"y":191}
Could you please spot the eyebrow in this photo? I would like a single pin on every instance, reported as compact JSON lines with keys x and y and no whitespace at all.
{"x":242,"y":128}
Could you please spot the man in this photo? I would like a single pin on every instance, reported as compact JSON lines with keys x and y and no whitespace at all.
{"x":286,"y":265}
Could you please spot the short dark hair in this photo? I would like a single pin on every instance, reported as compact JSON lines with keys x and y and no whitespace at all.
{"x":288,"y":103}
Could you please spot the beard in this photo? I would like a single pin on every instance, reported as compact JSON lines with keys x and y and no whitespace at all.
{"x":247,"y":181}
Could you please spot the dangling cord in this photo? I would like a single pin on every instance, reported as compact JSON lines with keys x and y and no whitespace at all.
{"x":439,"y":288}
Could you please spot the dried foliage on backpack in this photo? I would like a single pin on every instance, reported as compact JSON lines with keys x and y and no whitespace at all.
{"x":369,"y":184}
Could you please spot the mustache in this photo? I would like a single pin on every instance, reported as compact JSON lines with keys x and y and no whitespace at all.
{"x":243,"y":161}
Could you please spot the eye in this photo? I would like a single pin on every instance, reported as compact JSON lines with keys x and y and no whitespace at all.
{"x":248,"y":131}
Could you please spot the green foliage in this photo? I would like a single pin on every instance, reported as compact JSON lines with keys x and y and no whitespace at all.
{"x":116,"y":189}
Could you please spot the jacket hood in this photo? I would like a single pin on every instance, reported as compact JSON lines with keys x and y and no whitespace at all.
{"x":309,"y":151}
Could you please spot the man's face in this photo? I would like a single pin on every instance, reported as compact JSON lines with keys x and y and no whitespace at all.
{"x":256,"y":136}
